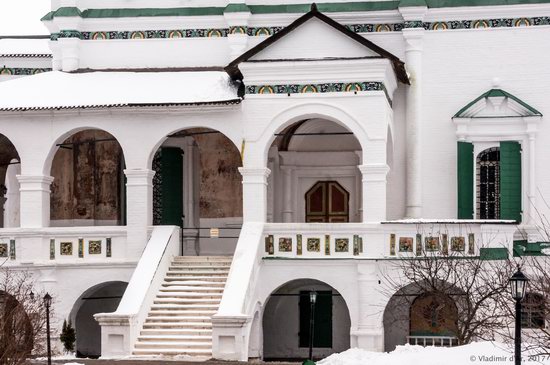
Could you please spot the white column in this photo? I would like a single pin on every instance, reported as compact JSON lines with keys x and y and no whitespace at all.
{"x":287,"y":199}
{"x":35,"y":200}
{"x":13,"y":202}
{"x":413,"y":63}
{"x":369,"y":331}
{"x":374,"y":191}
{"x":139,"y":192}
{"x":254,"y":193}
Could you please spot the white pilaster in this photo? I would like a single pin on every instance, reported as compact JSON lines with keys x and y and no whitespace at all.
{"x":35,"y":200}
{"x":238,"y":23}
{"x":287,"y":207}
{"x":139,"y":192}
{"x":13,"y":201}
{"x":413,"y":63}
{"x":374,"y":191}
{"x":254,"y":194}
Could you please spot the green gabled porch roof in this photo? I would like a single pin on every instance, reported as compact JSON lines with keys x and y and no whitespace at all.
{"x":529,"y":111}
{"x":524,"y":248}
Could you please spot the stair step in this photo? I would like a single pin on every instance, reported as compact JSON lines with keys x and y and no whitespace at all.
{"x":186,"y":314}
{"x":196,"y":279}
{"x":192,"y":274}
{"x":185,"y":301}
{"x":175,"y":338}
{"x":185,"y":307}
{"x":201,"y":264}
{"x":172,"y":294}
{"x":174,"y":282}
{"x":203,"y":258}
{"x":178,"y":325}
{"x":172,"y":352}
{"x":206,"y":345}
{"x":198,"y":289}
{"x":224,"y":268}
{"x":167,"y":332}
{"x":182,"y":320}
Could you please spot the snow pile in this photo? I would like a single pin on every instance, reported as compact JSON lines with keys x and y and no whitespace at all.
{"x":476,"y":353}
{"x":69,"y":90}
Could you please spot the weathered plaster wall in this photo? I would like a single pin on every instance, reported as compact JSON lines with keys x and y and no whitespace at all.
{"x":87,"y":178}
{"x":220,"y":184}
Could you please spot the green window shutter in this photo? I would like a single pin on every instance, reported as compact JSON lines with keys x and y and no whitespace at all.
{"x":322,"y":319}
{"x":172,"y":186}
{"x":510,"y":181}
{"x":465,"y":176}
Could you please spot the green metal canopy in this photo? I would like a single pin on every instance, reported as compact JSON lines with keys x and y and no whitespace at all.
{"x":524,"y":109}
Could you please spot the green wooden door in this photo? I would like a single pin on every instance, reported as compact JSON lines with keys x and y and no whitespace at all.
{"x":171,"y":161}
{"x":323,"y":319}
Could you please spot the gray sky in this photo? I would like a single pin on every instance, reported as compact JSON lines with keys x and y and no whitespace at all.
{"x":22,"y":17}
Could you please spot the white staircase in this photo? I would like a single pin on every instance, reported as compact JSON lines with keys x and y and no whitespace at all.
{"x":179,"y":322}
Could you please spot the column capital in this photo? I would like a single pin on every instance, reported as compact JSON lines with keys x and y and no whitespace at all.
{"x":374,"y":172}
{"x":34,"y":182}
{"x":135,"y":175}
{"x":251,"y":175}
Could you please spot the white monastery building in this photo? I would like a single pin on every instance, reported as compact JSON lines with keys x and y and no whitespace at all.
{"x":180,"y":174}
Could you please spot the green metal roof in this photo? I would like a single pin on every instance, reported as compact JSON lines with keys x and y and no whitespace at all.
{"x":529,"y":111}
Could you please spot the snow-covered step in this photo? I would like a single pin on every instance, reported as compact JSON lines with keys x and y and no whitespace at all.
{"x":180,"y":320}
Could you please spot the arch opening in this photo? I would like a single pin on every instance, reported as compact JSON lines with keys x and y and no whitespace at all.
{"x":197,"y":186}
{"x":420,"y":316}
{"x":10,"y":167}
{"x":313,"y":165}
{"x":286,"y":322}
{"x":101,"y":298}
{"x":89,"y":182}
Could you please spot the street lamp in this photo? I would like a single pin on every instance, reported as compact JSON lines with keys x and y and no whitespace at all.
{"x":518,"y":282}
{"x":48,"y":303}
{"x":312,"y":300}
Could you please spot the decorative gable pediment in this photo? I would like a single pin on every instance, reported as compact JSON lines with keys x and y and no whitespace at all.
{"x":315,"y":40}
{"x":497,"y":103}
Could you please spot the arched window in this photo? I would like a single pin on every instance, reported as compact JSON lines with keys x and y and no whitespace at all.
{"x":488,"y":184}
{"x":533,"y":311}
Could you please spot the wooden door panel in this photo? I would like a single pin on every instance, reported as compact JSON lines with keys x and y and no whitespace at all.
{"x":327,"y":201}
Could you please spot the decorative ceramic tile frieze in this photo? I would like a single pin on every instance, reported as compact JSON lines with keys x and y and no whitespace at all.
{"x":375,"y":28}
{"x":487,"y":23}
{"x":445,"y":244}
{"x":81,"y":247}
{"x":314,"y":245}
{"x":458,"y":244}
{"x":12,"y":249}
{"x":298,"y":244}
{"x":13,"y":71}
{"x":94,"y":247}
{"x":3,"y":250}
{"x":52,"y":249}
{"x":316,"y":88}
{"x":148,"y":34}
{"x":432,"y":244}
{"x":413,"y":24}
{"x":285,"y":244}
{"x":471,"y":244}
{"x":418,"y":244}
{"x":327,"y":245}
{"x":341,"y":245}
{"x":392,"y":244}
{"x":66,"y":248}
{"x":269,"y":247}
{"x":355,"y":245}
{"x":108,"y":247}
{"x":406,"y":244}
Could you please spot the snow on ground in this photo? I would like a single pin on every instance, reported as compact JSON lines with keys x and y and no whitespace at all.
{"x":475,"y":353}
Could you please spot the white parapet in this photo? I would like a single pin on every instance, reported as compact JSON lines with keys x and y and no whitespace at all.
{"x":119,"y":329}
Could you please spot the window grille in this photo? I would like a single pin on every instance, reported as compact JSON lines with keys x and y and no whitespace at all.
{"x":488,"y":184}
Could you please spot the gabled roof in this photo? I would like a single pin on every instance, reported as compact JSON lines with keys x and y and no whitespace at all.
{"x":398,"y":65}
{"x":515,"y":106}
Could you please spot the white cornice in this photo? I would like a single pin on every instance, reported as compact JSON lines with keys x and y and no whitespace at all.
{"x":487,"y":12}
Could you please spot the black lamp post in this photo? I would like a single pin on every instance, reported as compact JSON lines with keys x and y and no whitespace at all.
{"x":48,"y":303}
{"x":518,"y":282}
{"x":312,"y":300}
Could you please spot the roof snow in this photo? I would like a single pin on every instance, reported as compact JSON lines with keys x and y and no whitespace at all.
{"x":60,"y":90}
{"x":18,"y":47}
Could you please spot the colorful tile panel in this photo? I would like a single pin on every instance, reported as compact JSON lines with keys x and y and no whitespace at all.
{"x":3,"y":250}
{"x":52,"y":249}
{"x":66,"y":248}
{"x":10,"y":71}
{"x":418,"y":244}
{"x":285,"y":244}
{"x":355,"y":245}
{"x":12,"y":249}
{"x":471,"y":244}
{"x":81,"y":248}
{"x":314,"y":245}
{"x":341,"y":245}
{"x":269,"y":247}
{"x":445,"y":244}
{"x":392,"y":244}
{"x":458,"y":244}
{"x":298,"y":244}
{"x":432,"y":244}
{"x":108,"y":247}
{"x":327,"y":245}
{"x":406,"y":244}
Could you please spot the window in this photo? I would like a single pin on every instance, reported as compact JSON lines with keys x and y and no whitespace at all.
{"x":488,"y":184}
{"x":533,"y":311}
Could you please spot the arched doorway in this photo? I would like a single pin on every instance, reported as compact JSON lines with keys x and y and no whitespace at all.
{"x":197,"y":186}
{"x":89,"y":183}
{"x":314,"y":168}
{"x":10,"y":167}
{"x":101,"y":298}
{"x":286,"y":321}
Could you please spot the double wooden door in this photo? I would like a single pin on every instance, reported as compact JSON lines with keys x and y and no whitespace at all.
{"x":326,"y":202}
